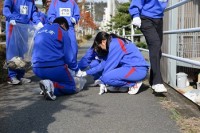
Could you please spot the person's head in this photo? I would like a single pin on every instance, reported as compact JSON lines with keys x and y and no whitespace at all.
{"x":101,"y":43}
{"x":62,"y":22}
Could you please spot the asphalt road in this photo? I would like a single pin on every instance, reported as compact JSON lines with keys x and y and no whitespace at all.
{"x":23,"y":110}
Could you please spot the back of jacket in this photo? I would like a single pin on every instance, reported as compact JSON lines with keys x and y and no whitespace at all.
{"x":148,"y":8}
{"x":52,"y":47}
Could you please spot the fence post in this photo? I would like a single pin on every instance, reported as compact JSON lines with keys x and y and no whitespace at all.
{"x":123,"y":32}
{"x":172,"y":46}
{"x":132,"y":33}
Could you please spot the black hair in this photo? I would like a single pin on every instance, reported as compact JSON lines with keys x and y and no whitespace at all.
{"x":105,"y":36}
{"x":60,"y":21}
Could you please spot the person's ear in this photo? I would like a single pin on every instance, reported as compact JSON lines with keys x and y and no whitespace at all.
{"x":103,"y":42}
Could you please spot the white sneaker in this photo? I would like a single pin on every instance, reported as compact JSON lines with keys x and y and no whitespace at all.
{"x":25,"y":80}
{"x":159,"y":88}
{"x":134,"y":90}
{"x":14,"y":81}
{"x":48,"y":89}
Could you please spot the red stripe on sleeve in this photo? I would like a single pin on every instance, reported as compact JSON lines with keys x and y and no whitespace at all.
{"x":60,"y":34}
{"x":122,"y":45}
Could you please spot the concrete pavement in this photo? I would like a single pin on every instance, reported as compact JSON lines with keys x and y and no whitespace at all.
{"x":23,"y":110}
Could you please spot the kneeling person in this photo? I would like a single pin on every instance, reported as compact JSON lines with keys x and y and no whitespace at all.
{"x":53,"y":57}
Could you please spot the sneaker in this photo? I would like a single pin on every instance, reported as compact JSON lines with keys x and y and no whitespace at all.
{"x":48,"y":89}
{"x":159,"y":88}
{"x":134,"y":90}
{"x":14,"y":81}
{"x":25,"y":80}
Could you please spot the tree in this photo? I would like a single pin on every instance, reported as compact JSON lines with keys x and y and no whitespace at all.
{"x":86,"y":20}
{"x":122,"y":16}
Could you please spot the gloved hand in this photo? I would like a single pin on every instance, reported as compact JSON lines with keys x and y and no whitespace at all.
{"x":81,"y":73}
{"x":102,"y":89}
{"x":73,"y":20}
{"x":137,"y":22}
{"x":39,"y":26}
{"x":12,"y":22}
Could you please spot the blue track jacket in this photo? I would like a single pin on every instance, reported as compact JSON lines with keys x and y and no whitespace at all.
{"x":22,"y":11}
{"x":123,"y":54}
{"x":120,"y":54}
{"x":63,"y":9}
{"x":52,"y":47}
{"x":148,"y":8}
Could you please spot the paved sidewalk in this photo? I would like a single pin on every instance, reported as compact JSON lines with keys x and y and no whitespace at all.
{"x":23,"y":110}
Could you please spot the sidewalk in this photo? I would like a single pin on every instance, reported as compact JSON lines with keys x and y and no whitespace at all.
{"x":23,"y":110}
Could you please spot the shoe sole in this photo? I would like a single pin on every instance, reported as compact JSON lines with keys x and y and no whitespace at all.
{"x":12,"y":83}
{"x":159,"y":92}
{"x":47,"y":95}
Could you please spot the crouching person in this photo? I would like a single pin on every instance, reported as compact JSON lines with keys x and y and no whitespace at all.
{"x":53,"y":57}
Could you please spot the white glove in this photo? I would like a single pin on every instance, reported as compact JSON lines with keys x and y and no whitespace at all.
{"x":39,"y":26}
{"x":137,"y":22}
{"x":73,"y":20}
{"x":102,"y":89}
{"x":12,"y":22}
{"x":81,"y":73}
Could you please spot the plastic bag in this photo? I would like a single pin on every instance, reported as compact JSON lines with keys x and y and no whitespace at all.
{"x":20,"y":42}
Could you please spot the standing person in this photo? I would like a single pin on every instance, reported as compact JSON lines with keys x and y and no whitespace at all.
{"x":124,"y":65}
{"x":53,"y":57}
{"x":68,"y":9}
{"x":148,"y":16}
{"x":18,"y":12}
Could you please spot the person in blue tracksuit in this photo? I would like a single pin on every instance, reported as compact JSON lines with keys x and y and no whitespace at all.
{"x":148,"y":16}
{"x":68,"y":9}
{"x":124,"y":65}
{"x":53,"y":57}
{"x":18,"y":12}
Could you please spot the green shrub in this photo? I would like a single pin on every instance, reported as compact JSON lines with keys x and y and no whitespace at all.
{"x":141,"y":45}
{"x":2,"y":37}
{"x":87,"y":37}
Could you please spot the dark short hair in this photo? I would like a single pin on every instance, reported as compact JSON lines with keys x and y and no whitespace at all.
{"x":60,"y":21}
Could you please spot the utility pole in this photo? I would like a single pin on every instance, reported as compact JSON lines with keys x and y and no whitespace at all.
{"x":93,"y":12}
